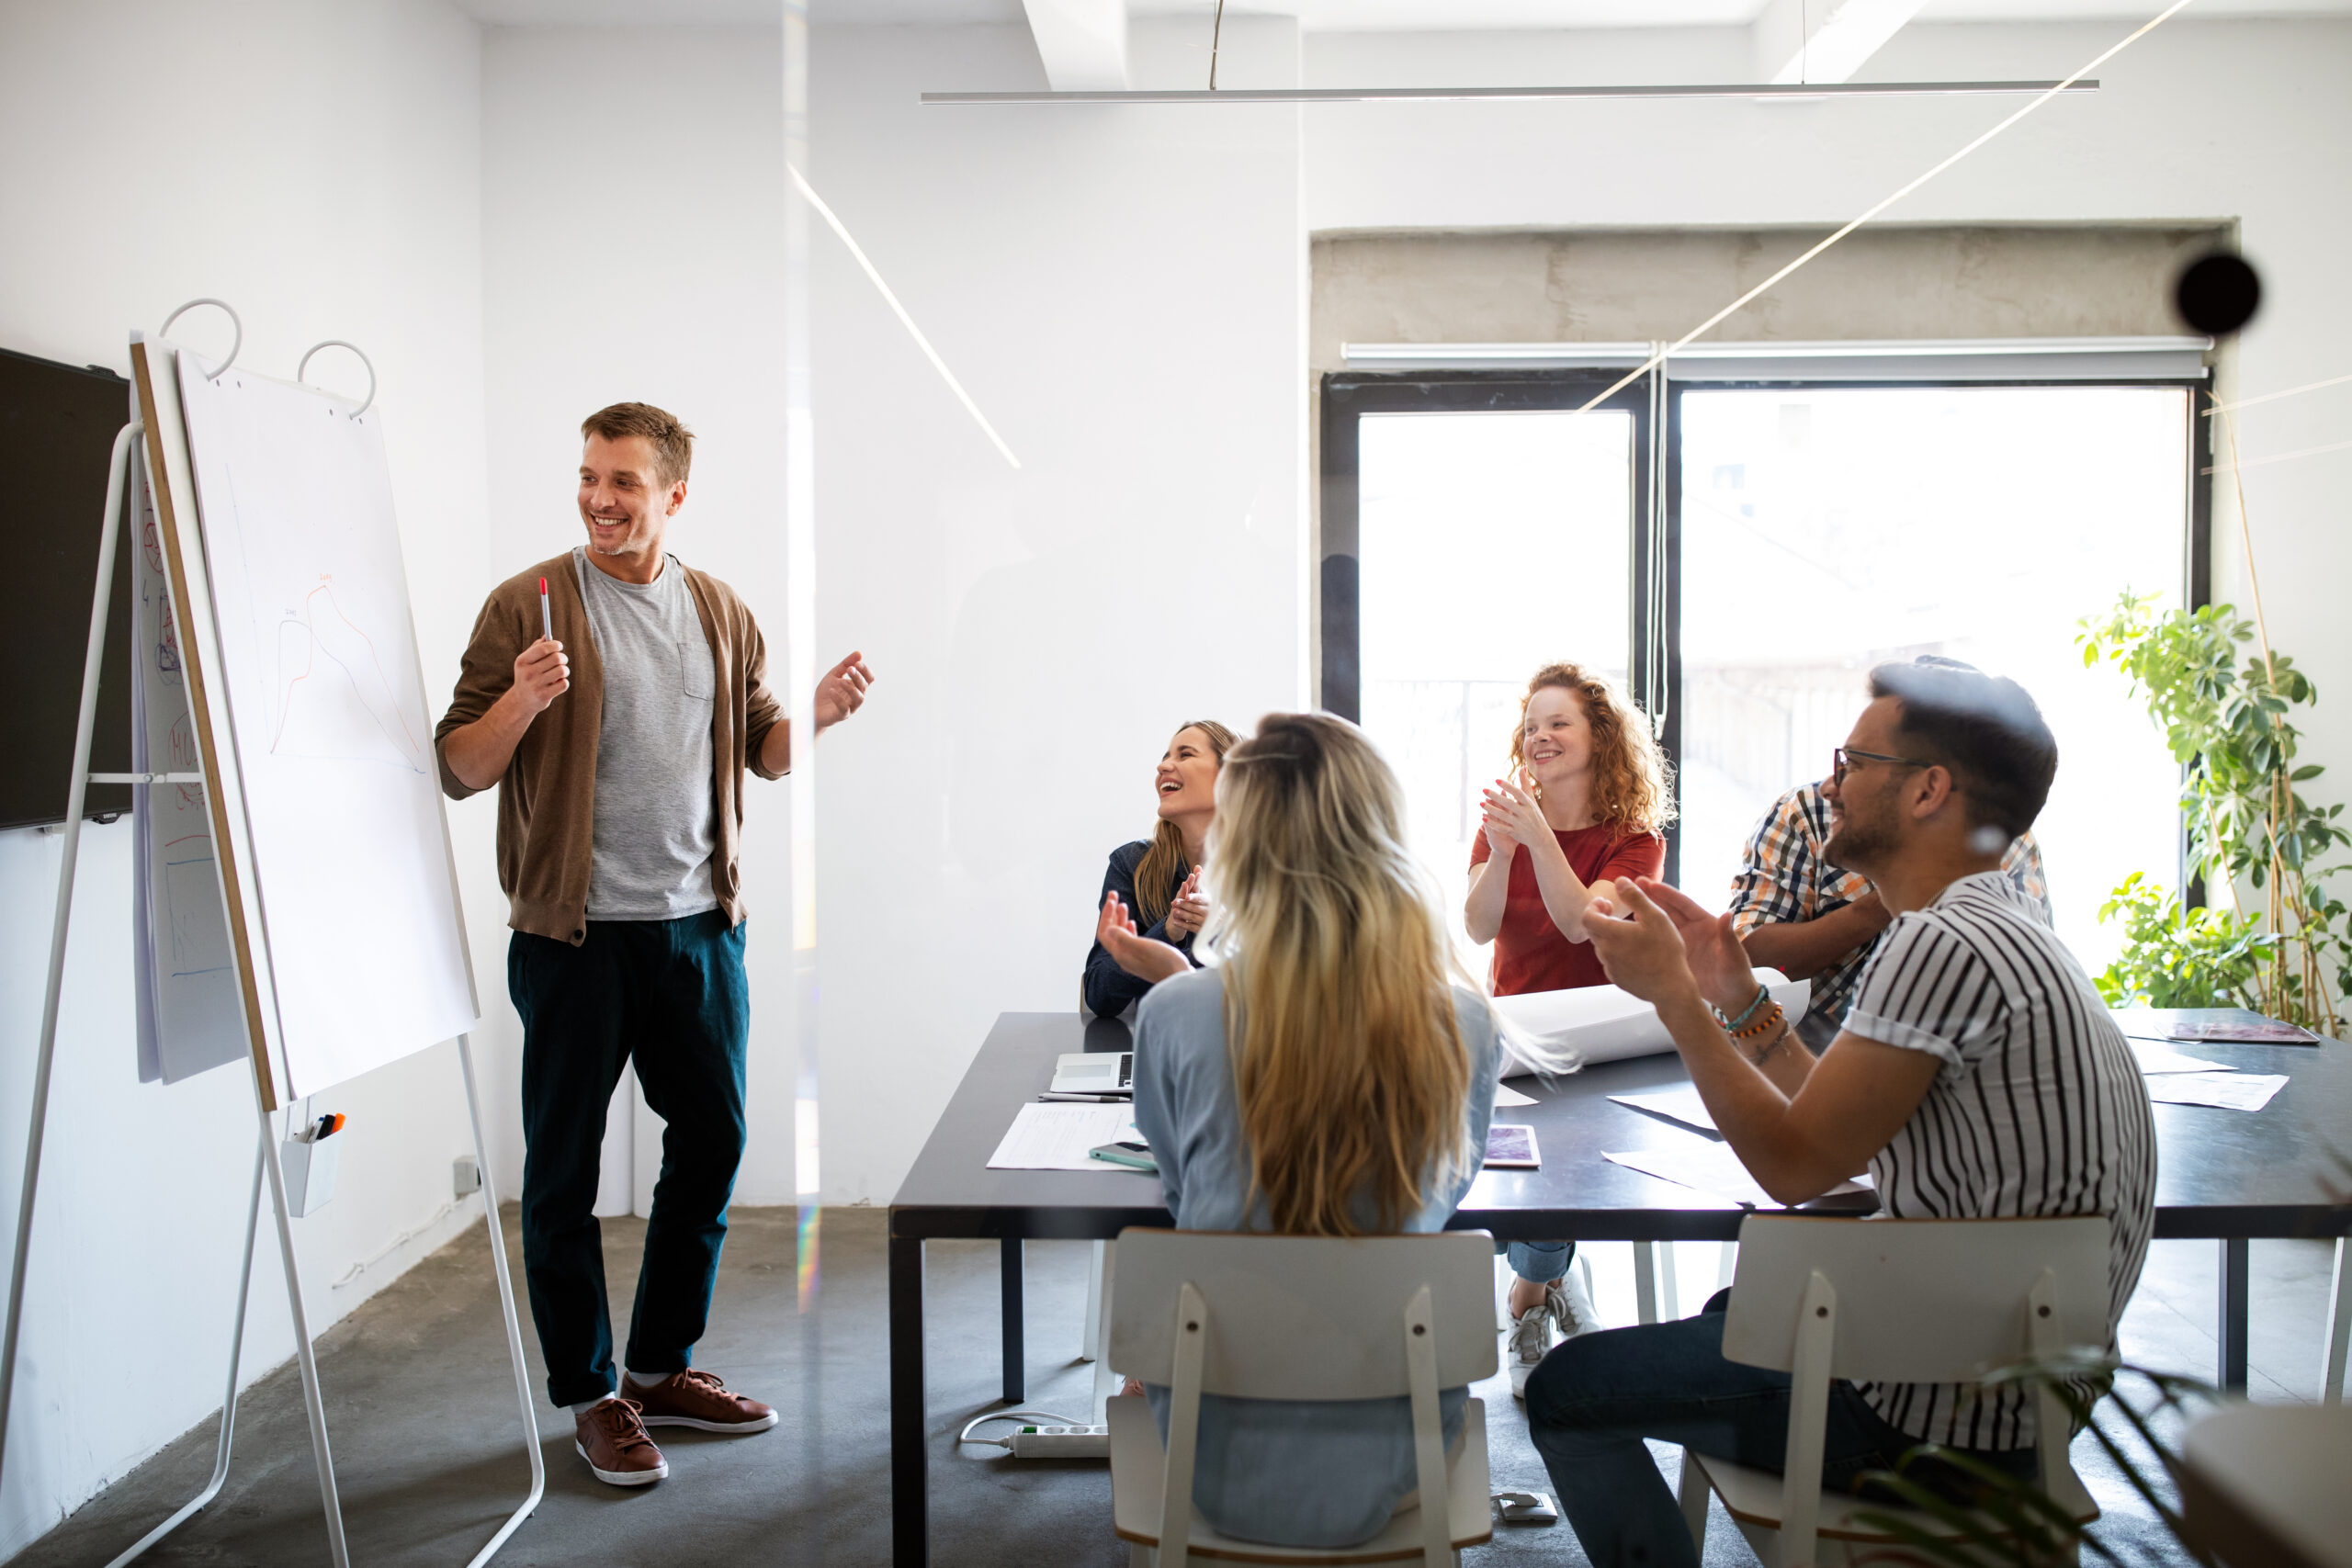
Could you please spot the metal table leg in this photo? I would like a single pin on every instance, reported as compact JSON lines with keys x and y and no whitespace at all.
{"x":2235,"y":1272}
{"x":910,"y":1458}
{"x":1017,"y":1381}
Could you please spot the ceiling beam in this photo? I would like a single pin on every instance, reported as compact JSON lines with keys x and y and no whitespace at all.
{"x":1824,"y":40}
{"x":1082,"y":43}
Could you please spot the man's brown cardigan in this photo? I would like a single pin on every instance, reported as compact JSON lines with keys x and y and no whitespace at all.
{"x":547,"y":799}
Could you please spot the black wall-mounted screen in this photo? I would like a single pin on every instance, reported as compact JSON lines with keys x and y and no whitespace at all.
{"x":57,"y":425}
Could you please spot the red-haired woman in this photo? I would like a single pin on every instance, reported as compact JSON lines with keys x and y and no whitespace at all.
{"x":1587,"y":799}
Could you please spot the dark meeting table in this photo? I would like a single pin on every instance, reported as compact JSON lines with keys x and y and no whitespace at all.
{"x":2228,"y":1176}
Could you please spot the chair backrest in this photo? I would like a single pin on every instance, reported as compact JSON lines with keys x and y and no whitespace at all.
{"x":1303,"y":1317}
{"x":1919,"y":1301}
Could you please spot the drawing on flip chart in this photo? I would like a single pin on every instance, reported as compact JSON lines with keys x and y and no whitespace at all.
{"x":317,"y":662}
{"x":334,"y":698}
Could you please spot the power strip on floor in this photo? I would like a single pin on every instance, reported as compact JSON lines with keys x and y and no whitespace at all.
{"x":1061,"y":1442}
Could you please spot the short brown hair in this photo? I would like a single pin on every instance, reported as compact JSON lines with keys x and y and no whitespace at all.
{"x":673,"y":444}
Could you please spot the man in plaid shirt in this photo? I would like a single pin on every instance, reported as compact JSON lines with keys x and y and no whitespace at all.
{"x":1796,"y":912}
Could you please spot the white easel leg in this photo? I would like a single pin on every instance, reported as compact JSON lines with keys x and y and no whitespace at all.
{"x":313,"y":1401}
{"x":506,"y":1306}
{"x":117,"y":472}
{"x":2339,"y":1326}
{"x":228,"y":1396}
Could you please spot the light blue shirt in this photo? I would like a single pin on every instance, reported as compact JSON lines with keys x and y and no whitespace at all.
{"x":1322,"y":1473}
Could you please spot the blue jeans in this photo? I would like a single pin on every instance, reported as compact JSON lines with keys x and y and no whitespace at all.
{"x":1596,"y":1397}
{"x":1540,"y":1261}
{"x":670,"y":996}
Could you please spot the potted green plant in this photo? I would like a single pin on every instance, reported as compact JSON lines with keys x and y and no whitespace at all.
{"x":2251,"y":825}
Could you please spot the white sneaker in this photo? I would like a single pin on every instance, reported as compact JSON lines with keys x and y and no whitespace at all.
{"x":1568,"y":1302}
{"x":1523,"y":1350}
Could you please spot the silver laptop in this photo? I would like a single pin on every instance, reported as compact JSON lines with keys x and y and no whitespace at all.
{"x":1094,"y":1072}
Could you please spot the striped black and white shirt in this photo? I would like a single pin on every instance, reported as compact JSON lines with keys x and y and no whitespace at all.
{"x":2040,"y":1111}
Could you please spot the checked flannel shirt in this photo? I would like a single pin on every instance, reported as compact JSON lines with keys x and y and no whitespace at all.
{"x":1784,"y":877}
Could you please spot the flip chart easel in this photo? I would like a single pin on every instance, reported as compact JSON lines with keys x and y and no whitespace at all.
{"x":158,"y":437}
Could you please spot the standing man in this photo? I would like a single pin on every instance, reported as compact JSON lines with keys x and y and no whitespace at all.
{"x":617,"y":729}
{"x":1797,"y":912}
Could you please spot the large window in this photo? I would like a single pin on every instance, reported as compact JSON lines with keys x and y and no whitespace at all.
{"x":1809,"y":533}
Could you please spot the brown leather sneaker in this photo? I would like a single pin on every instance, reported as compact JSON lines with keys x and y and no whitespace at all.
{"x":697,"y":1399}
{"x":612,"y":1439}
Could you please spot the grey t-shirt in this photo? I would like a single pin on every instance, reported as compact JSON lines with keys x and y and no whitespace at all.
{"x":656,"y":822}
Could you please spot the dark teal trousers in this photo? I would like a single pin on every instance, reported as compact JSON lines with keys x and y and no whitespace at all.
{"x":670,"y":996}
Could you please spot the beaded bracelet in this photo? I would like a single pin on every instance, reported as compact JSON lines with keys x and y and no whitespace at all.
{"x":1771,"y":1019}
{"x":1763,"y":993}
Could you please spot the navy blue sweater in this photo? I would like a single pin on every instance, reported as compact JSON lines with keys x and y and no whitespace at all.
{"x":1106,"y":987}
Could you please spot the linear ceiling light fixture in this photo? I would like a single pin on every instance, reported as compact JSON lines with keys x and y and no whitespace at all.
{"x":1763,"y":90}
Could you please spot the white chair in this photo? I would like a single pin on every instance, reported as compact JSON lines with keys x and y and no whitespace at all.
{"x":1299,"y":1318}
{"x":1892,"y":1301}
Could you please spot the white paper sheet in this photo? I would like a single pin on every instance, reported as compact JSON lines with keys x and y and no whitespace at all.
{"x":1508,"y":1098}
{"x":1603,"y":1023}
{"x":331,"y":724}
{"x":2156,"y":1058}
{"x":1709,"y":1166}
{"x":1056,"y":1137}
{"x":1681,"y":1103}
{"x":2229,"y":1091}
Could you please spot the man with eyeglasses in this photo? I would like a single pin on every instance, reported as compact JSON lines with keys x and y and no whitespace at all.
{"x":1978,"y":1076}
{"x":1797,"y":912}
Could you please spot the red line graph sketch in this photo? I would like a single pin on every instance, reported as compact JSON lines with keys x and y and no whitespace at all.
{"x":335,"y":699}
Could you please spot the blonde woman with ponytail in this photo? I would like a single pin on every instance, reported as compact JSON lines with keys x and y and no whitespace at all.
{"x":1329,"y":1075}
{"x":1157,"y":879}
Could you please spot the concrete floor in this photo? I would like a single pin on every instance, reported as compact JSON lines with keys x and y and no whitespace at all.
{"x":421,"y":1410}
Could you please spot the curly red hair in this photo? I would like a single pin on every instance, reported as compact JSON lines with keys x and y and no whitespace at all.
{"x":1632,"y":786}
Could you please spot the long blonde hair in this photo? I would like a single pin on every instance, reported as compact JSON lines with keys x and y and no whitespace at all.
{"x":1164,"y":863}
{"x":1633,"y":785}
{"x":1348,"y":1062}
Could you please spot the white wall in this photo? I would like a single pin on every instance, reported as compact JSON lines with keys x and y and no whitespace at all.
{"x":1123,"y":295}
{"x":317,"y":165}
{"x":639,"y":258}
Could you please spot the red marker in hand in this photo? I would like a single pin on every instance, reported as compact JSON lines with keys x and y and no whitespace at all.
{"x":547,"y":620}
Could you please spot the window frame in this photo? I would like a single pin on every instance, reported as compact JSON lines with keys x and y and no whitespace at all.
{"x":1348,"y":396}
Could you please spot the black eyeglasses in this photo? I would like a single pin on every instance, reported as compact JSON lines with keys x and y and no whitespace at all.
{"x":1843,"y":757}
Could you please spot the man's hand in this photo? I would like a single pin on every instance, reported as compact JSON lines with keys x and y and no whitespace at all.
{"x":1188,"y":912}
{"x":479,"y":753}
{"x":1642,"y":952}
{"x":1718,"y":961}
{"x":841,"y":690}
{"x":542,"y":673}
{"x":1132,"y":951}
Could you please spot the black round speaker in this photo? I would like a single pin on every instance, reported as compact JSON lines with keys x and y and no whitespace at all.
{"x":2218,"y":294}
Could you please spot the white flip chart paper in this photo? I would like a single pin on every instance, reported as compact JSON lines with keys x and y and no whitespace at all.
{"x":333,"y":737}
{"x":1603,"y":1023}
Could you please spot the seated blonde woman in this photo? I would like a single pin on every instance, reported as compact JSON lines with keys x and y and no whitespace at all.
{"x":1324,"y":1077}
